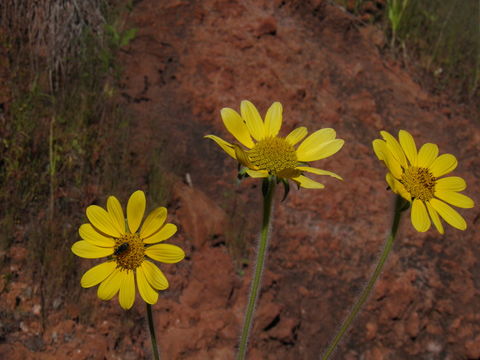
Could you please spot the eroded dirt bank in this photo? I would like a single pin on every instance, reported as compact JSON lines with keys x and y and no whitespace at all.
{"x":189,"y":60}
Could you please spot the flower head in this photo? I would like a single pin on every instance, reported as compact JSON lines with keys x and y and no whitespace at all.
{"x":417,"y":176}
{"x":127,"y":246}
{"x":268,"y":154}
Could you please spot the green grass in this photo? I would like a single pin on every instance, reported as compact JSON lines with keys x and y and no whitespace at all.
{"x":395,"y":11}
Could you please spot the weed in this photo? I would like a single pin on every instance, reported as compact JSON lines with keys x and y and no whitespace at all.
{"x":395,"y":11}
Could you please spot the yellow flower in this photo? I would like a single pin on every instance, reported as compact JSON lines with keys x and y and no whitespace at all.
{"x":417,"y":177}
{"x":269,"y":154}
{"x":126,"y":245}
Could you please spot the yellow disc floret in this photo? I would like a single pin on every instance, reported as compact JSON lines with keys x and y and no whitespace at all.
{"x":419,"y":182}
{"x":129,"y":251}
{"x":274,"y":155}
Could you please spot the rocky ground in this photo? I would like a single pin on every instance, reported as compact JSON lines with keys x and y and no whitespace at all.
{"x":328,"y":69}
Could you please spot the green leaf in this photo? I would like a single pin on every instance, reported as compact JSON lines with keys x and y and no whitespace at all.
{"x":128,"y":36}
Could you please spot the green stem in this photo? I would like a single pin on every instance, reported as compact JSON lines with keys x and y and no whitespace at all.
{"x":400,"y":205}
{"x":151,"y":326}
{"x":269,"y":188}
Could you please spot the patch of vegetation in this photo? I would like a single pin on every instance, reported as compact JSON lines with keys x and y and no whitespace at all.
{"x":443,"y":37}
{"x":63,"y":132}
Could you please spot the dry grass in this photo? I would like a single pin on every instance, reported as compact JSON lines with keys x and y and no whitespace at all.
{"x":50,"y":33}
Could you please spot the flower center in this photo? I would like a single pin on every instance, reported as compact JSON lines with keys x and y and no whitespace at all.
{"x":419,"y":182}
{"x":129,"y":251}
{"x":274,"y":155}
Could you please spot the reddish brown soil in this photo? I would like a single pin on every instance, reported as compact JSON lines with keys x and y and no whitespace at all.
{"x":188,"y":61}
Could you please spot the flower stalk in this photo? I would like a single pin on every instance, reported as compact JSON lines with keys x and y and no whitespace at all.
{"x":268,"y":191}
{"x":153,"y":337}
{"x":400,"y":206}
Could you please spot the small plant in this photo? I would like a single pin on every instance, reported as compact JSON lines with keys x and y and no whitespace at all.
{"x":115,"y":39}
{"x":395,"y":11}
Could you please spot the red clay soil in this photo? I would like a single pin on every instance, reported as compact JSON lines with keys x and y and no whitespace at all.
{"x":189,"y":60}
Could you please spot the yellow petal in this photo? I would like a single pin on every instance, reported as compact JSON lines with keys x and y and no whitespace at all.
{"x":154,"y":275}
{"x":165,"y":233}
{"x":253,"y":120}
{"x":435,"y":218}
{"x":395,"y":148}
{"x":126,"y":296}
{"x":390,"y":181}
{"x":320,"y":152}
{"x":273,"y":120}
{"x":455,"y":198}
{"x":110,"y":286}
{"x":257,"y":173}
{"x":116,"y":214}
{"x":87,"y":250}
{"x":397,"y":187}
{"x":308,"y":183}
{"x":315,"y":141}
{"x":165,"y":253}
{"x":420,"y":220}
{"x":443,"y":165}
{"x":88,"y":233}
{"x":236,"y":126}
{"x":296,"y":135}
{"x":427,"y":154}
{"x":242,"y":157}
{"x":392,"y":164}
{"x":100,"y":218}
{"x":153,"y":222}
{"x":379,"y":148}
{"x":97,"y":274}
{"x":227,"y":147}
{"x":408,"y":145}
{"x":135,"y":210}
{"x":148,"y":294}
{"x":452,"y":183}
{"x":318,"y":171}
{"x":450,"y":215}
{"x":385,"y":154}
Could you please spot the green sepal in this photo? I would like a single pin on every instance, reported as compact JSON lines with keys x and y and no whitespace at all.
{"x":286,"y":188}
{"x":401,"y":204}
{"x":242,"y":172}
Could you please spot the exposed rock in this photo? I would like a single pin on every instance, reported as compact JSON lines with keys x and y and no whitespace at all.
{"x":201,"y":218}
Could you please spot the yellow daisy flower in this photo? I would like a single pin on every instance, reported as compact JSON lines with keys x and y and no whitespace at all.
{"x":417,"y":177}
{"x":127,"y":245}
{"x":268,"y":154}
